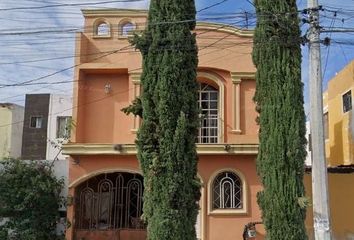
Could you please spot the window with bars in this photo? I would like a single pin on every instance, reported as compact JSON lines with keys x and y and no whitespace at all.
{"x":347,"y":101}
{"x":208,"y":104}
{"x":227,"y":191}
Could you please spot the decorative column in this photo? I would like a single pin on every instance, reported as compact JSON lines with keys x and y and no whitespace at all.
{"x":135,"y":79}
{"x":237,"y":78}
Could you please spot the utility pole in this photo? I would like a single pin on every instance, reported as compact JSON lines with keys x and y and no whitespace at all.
{"x":322,"y":225}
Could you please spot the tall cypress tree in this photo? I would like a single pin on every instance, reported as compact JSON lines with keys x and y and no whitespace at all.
{"x":166,"y":138}
{"x":279,"y":99}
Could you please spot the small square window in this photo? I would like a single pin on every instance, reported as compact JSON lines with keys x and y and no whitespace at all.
{"x":347,"y":101}
{"x":36,"y":122}
{"x":63,"y":127}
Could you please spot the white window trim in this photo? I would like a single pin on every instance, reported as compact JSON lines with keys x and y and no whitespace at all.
{"x":219,"y":82}
{"x":241,"y":211}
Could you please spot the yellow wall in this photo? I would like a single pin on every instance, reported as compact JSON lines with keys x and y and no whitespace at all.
{"x":341,"y":197}
{"x":339,"y":146}
{"x":5,"y":131}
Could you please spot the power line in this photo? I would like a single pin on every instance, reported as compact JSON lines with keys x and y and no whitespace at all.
{"x":68,"y":5}
{"x":71,"y":67}
{"x":60,"y":71}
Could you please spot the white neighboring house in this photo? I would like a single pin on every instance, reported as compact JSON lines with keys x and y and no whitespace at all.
{"x":11,"y":128}
{"x":59,"y":125}
{"x":58,"y":132}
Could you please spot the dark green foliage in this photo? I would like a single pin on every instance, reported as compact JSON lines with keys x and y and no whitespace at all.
{"x":135,"y":108}
{"x":166,"y":139}
{"x":29,"y":199}
{"x":279,"y":98}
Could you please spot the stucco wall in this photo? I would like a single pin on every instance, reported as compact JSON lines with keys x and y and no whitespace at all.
{"x":34,"y":140}
{"x":17,"y":130}
{"x":340,"y":147}
{"x":214,"y":226}
{"x":5,"y":131}
{"x":341,"y":198}
{"x":11,"y":127}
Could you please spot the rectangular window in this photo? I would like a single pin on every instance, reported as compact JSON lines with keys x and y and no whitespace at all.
{"x":347,"y":101}
{"x":208,"y":104}
{"x":325,"y":125}
{"x":36,"y":122}
{"x":63,"y":127}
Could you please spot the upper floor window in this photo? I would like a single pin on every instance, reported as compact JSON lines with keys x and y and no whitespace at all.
{"x":63,"y":127}
{"x":36,"y":122}
{"x":347,"y":101}
{"x":208,"y":104}
{"x":127,"y":29}
{"x":103,"y":29}
{"x":227,"y":191}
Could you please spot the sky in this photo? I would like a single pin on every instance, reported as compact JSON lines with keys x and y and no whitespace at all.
{"x":37,"y":39}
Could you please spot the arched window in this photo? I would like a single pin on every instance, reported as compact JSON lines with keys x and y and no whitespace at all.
{"x":227,"y":191}
{"x":208,"y":105}
{"x":127,"y":28}
{"x":102,"y":29}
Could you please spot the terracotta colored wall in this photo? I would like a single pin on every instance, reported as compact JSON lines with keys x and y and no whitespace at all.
{"x":229,"y":227}
{"x":98,"y":65}
{"x":101,"y":119}
{"x":220,"y":226}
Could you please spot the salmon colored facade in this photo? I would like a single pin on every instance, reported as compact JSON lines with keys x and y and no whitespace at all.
{"x":104,"y":175}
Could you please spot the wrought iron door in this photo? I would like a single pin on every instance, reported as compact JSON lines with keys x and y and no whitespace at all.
{"x":110,"y":202}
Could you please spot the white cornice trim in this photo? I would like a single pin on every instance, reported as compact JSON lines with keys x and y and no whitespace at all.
{"x":237,"y":76}
{"x":114,"y":12}
{"x":130,"y":149}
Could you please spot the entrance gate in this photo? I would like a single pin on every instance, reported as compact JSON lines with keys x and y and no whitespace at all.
{"x":109,"y":206}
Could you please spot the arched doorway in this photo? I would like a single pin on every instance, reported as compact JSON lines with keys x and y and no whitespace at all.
{"x":109,"y":206}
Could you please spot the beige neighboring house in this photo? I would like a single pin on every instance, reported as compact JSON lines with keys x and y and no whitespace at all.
{"x":11,"y":127}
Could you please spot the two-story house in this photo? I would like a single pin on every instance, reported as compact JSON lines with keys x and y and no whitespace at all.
{"x":105,"y":181}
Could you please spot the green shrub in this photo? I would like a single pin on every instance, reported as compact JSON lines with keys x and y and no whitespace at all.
{"x":29,"y":199}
